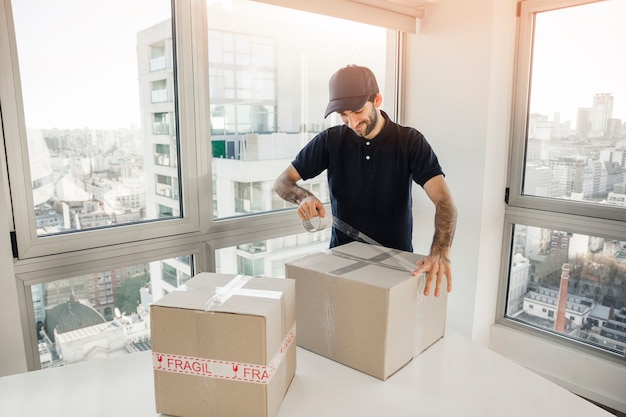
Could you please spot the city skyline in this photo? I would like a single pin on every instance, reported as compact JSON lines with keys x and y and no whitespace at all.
{"x":572,"y":59}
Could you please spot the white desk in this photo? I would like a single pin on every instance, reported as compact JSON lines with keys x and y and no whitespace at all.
{"x":455,"y":377}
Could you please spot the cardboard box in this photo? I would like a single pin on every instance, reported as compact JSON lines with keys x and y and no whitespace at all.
{"x":359,"y":305}
{"x":224,"y":345}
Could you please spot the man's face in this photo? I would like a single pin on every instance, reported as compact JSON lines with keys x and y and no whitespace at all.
{"x":362,"y":121}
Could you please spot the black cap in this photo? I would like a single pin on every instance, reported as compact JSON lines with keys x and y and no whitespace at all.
{"x":349,"y":89}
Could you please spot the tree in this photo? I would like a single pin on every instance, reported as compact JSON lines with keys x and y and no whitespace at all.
{"x":128,"y":296}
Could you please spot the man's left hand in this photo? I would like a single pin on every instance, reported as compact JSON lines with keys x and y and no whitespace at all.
{"x":436,"y":266}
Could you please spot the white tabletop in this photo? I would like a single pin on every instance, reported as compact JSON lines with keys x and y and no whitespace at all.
{"x":455,"y":377}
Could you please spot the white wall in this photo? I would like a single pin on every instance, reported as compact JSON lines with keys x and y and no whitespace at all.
{"x":460,"y":78}
{"x":459,"y":85}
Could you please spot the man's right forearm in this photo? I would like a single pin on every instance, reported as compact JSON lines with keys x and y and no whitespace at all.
{"x":286,"y":187}
{"x":290,"y":191}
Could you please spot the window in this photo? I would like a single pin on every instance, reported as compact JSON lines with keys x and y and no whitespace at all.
{"x":165,"y":186}
{"x":164,"y":211}
{"x":582,"y":284}
{"x":250,"y":197}
{"x":268,"y":257}
{"x":241,"y":70}
{"x":159,"y":91}
{"x":101,"y":314}
{"x":162,"y":154}
{"x":80,"y":157}
{"x":567,"y":242}
{"x":161,"y":124}
{"x":158,"y":59}
{"x":267,"y":100}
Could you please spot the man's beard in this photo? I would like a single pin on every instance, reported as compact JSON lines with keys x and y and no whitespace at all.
{"x":370,"y":123}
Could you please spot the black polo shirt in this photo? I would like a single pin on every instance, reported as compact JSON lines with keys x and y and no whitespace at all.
{"x":370,"y":179}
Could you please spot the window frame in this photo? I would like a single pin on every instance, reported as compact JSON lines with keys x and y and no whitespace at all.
{"x":28,"y":244}
{"x":528,"y":10}
{"x":571,"y":216}
{"x":51,"y":271}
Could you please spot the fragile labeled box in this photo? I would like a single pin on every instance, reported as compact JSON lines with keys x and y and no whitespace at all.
{"x":224,"y":345}
{"x":359,"y":305}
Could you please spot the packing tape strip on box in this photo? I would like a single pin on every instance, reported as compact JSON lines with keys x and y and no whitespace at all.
{"x":318,"y":223}
{"x":235,"y":371}
{"x":234,"y":287}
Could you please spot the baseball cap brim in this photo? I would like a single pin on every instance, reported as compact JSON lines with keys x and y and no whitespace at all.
{"x":346,"y":103}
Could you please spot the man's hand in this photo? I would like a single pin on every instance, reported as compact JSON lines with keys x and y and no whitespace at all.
{"x":436,"y":266}
{"x":311,"y":207}
{"x":287,"y":188}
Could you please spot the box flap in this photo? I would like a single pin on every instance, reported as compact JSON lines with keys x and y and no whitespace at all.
{"x":227,"y":293}
{"x":368,"y":264}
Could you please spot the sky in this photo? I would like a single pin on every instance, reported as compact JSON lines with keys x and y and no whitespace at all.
{"x":62,"y":57}
{"x":579,"y":52}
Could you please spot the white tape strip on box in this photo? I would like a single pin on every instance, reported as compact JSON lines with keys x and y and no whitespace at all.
{"x":212,"y":368}
{"x":234,"y":287}
{"x":359,"y":236}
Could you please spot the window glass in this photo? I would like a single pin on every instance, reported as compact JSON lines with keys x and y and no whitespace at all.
{"x":102,"y":314}
{"x":566,"y":278}
{"x":576,"y":136}
{"x":96,"y":102}
{"x":162,"y":154}
{"x":268,"y":257}
{"x":268,"y":88}
{"x":159,"y":91}
{"x":570,"y":284}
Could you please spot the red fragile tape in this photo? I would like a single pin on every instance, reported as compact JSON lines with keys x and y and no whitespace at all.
{"x":212,"y":368}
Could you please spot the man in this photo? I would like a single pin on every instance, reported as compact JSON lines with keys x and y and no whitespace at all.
{"x":371,"y":163}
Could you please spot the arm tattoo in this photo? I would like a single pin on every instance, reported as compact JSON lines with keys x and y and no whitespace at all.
{"x":296,"y":194}
{"x":290,"y":191}
{"x":445,"y":225}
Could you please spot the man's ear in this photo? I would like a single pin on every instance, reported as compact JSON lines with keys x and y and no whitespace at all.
{"x":378,"y":100}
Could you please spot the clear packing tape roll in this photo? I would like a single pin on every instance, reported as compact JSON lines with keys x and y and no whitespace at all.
{"x":318,"y":223}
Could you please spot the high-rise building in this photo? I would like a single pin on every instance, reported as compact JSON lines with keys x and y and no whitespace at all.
{"x":538,"y":180}
{"x":614,"y":128}
{"x":601,"y":112}
{"x":160,"y":148}
{"x":560,"y":320}
{"x":518,"y":283}
{"x":583,"y":121}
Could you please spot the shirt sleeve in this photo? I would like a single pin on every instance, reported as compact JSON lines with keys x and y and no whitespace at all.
{"x":425,"y":164}
{"x":312,"y":160}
